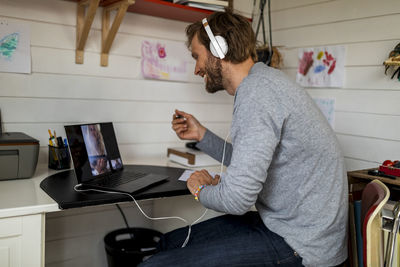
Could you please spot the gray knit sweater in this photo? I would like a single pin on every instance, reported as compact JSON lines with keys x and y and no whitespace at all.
{"x":285,"y":160}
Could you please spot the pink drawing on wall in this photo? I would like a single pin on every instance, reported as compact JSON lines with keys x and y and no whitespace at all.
{"x":163,"y":61}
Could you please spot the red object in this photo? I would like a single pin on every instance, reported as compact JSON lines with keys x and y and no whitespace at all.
{"x":168,"y":10}
{"x":332,"y":68}
{"x":390,"y":170}
{"x":387,"y":163}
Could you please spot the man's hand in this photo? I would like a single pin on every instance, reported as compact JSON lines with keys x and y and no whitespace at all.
{"x":187,"y":127}
{"x":199,"y":178}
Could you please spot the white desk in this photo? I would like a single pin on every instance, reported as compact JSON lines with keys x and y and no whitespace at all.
{"x":23,"y":208}
{"x":23,"y":205}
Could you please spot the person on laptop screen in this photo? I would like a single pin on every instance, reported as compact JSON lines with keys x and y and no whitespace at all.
{"x":284,"y":159}
{"x":95,"y":148}
{"x":98,"y":163}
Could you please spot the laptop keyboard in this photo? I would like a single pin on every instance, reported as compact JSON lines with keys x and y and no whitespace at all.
{"x":115,"y":179}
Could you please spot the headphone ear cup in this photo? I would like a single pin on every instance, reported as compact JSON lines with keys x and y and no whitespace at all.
{"x":223,"y":45}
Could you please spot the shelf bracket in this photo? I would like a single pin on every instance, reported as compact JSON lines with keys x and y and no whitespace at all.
{"x":83,"y":24}
{"x":108,"y":34}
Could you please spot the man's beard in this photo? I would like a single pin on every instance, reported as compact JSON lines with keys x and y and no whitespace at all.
{"x":214,"y":80}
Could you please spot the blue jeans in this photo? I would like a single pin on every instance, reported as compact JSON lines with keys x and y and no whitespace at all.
{"x":227,"y":240}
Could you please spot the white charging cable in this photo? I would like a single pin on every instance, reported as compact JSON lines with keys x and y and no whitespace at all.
{"x":220,"y":175}
{"x":77,"y":189}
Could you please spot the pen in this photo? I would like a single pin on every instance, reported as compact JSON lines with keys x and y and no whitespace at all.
{"x":52,"y":150}
{"x":60,"y":142}
{"x":52,"y":140}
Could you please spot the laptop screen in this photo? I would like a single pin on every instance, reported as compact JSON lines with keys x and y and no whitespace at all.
{"x":94,"y":150}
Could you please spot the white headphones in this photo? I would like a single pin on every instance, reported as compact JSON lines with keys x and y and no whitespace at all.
{"x":218,"y":44}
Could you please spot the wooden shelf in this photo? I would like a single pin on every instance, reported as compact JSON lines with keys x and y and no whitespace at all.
{"x":169,"y":10}
{"x":87,"y":10}
{"x":163,"y":9}
{"x":362,"y":175}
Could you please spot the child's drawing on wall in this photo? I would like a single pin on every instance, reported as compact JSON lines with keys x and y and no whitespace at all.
{"x":321,"y":66}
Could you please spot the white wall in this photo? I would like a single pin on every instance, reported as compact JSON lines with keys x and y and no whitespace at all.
{"x":367,"y":107}
{"x":60,"y":92}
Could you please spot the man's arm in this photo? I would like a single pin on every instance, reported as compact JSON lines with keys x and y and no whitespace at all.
{"x":213,"y":145}
{"x":187,"y":127}
{"x":255,"y":134}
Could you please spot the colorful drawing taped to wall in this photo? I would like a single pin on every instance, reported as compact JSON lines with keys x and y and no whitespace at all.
{"x":8,"y":45}
{"x":15,"y":55}
{"x":321,"y":66}
{"x":165,"y":60}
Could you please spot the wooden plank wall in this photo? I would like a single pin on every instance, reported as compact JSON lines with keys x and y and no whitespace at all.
{"x":60,"y":92}
{"x":367,"y":112}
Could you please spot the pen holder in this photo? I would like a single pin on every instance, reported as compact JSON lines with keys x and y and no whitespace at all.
{"x":59,"y":158}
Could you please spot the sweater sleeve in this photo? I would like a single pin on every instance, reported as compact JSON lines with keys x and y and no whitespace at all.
{"x":213,"y":145}
{"x":256,"y":131}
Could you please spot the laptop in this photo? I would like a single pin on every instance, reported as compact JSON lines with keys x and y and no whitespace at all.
{"x":98,"y":164}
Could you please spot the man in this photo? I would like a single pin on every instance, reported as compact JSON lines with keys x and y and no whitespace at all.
{"x":284,"y":159}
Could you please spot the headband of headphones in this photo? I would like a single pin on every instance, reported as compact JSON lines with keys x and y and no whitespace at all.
{"x":220,"y":46}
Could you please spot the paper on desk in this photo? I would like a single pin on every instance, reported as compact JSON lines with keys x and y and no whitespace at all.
{"x":186,"y":174}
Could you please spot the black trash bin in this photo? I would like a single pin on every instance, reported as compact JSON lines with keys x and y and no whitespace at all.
{"x":128,"y":246}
